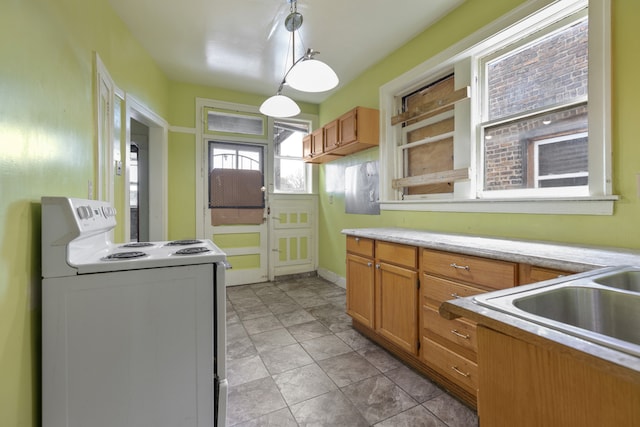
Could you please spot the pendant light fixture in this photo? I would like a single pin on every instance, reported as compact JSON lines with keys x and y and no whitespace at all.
{"x":306,"y":74}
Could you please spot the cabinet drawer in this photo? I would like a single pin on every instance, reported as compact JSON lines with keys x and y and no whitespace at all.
{"x":435,"y":290}
{"x":460,"y":332}
{"x":485,"y":272}
{"x":460,"y":370}
{"x":532,"y":274}
{"x":398,"y":254}
{"x":360,"y":246}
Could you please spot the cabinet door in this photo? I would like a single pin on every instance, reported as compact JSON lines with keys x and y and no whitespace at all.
{"x":331,"y":135}
{"x":348,"y":126}
{"x":360,"y":289}
{"x":307,"y":147}
{"x":317,"y":141}
{"x":397,"y":306}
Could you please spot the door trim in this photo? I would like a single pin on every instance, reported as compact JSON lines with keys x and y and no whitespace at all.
{"x":158,"y":168}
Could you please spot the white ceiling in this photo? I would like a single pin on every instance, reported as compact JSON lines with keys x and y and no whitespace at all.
{"x":243,"y":45}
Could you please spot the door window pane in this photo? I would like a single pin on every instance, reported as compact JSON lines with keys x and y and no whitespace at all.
{"x":290,"y":171}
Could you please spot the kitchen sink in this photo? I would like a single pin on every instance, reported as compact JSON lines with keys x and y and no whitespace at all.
{"x":602,"y":306}
{"x":611,"y":313}
{"x":628,"y":280}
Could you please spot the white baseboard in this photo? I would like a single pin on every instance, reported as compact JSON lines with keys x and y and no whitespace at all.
{"x":333,"y":277}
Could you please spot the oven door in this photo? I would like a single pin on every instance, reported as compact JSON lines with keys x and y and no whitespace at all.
{"x":129,"y":348}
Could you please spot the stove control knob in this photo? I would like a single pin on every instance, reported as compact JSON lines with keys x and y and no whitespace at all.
{"x":108,"y":211}
{"x":84,"y":212}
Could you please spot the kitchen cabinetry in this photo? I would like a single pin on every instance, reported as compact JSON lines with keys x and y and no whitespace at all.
{"x":449,"y":346}
{"x":396,"y":296}
{"x":331,"y":135}
{"x":313,"y":150}
{"x":527,"y":384}
{"x":360,"y":280}
{"x":532,"y":274}
{"x":356,"y":130}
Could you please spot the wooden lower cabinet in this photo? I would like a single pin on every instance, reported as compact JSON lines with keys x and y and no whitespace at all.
{"x":394,"y":292}
{"x":360,"y":289}
{"x":532,"y":274}
{"x":524,"y":384}
{"x":397,"y":305}
{"x":458,"y":369}
{"x":449,"y":346}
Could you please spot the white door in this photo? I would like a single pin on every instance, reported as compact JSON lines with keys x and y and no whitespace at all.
{"x":293,"y":230}
{"x":236,"y":214}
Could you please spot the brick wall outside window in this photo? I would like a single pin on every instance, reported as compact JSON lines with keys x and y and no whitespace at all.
{"x":551,"y":71}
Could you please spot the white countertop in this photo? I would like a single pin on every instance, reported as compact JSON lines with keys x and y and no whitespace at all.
{"x":558,"y":256}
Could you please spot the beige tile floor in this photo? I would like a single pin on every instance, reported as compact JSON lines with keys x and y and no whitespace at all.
{"x":294,"y":360}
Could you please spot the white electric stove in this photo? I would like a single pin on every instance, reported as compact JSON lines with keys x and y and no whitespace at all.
{"x":132,"y":334}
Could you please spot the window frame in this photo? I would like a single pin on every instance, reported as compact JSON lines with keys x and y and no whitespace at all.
{"x":463,"y":57}
{"x":505,"y":49}
{"x":536,"y":158}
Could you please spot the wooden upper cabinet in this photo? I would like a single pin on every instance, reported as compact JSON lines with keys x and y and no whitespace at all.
{"x":348,"y":127}
{"x":307,"y":147}
{"x":313,"y":150}
{"x":331,"y":135}
{"x":355,"y":130}
{"x":358,"y":130}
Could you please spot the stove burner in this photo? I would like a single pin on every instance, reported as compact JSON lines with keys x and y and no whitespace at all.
{"x":137,"y":245}
{"x":124,"y":255}
{"x":183,"y":242}
{"x":192,"y":251}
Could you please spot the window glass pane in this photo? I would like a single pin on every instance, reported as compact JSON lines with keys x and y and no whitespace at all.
{"x":230,"y":122}
{"x":550,"y":71}
{"x":235,"y":156}
{"x":291,"y":146}
{"x":551,"y":146}
{"x":289,"y":175}
{"x":289,"y":167}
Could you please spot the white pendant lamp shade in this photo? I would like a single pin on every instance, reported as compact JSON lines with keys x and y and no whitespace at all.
{"x":312,"y":75}
{"x":305,"y":75}
{"x":279,"y":106}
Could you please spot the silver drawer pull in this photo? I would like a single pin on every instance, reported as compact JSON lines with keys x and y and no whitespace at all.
{"x":455,"y":295}
{"x":459,"y":267}
{"x":369,"y":264}
{"x":466,"y":375}
{"x":458,"y":334}
{"x":357,"y":239}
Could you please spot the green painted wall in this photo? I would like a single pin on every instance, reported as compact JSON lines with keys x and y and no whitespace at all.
{"x":620,"y":229}
{"x":47,"y":148}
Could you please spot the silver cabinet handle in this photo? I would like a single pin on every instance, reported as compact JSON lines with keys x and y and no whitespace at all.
{"x":455,"y":295}
{"x":378,"y":266}
{"x":369,"y":264}
{"x":459,"y":267}
{"x":357,"y":239}
{"x":458,"y":334}
{"x":466,"y":375}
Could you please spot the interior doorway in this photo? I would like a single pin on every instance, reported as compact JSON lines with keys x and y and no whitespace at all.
{"x":139,"y":182}
{"x":146,"y":183}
